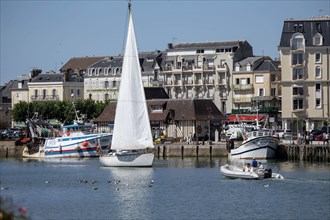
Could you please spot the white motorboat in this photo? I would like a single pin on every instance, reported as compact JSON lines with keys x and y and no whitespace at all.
{"x":257,"y":144}
{"x":235,"y":172}
{"x":132,"y":141}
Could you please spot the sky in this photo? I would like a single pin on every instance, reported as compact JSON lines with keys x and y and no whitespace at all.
{"x":47,"y":34}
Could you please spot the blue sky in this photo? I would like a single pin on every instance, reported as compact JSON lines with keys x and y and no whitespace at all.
{"x":46,"y":34}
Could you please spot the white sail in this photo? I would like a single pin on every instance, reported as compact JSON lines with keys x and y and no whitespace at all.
{"x":132,"y":125}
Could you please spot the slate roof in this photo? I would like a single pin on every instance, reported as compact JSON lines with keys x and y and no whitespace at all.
{"x":179,"y":109}
{"x":48,"y":77}
{"x":81,"y":63}
{"x":203,"y":45}
{"x":112,"y":61}
{"x":155,"y":93}
{"x":309,"y":30}
{"x":259,"y":63}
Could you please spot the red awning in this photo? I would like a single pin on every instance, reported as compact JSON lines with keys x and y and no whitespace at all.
{"x":245,"y":118}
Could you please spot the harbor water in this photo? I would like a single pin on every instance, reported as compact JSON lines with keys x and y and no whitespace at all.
{"x":173,"y":188}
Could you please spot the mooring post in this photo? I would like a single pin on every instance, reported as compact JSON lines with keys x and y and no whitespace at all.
{"x":182,"y":151}
{"x":164,"y":149}
{"x":197,"y":150}
{"x":210,"y":151}
{"x":7,"y":152}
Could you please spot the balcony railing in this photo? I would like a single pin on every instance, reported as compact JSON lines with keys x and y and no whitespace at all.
{"x":45,"y":98}
{"x":243,"y":87}
{"x":242,"y":100}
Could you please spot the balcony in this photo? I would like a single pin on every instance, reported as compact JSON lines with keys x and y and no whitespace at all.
{"x":243,"y":87}
{"x":45,"y":98}
{"x":242,"y":100}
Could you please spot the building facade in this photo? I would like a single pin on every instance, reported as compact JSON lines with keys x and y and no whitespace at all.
{"x":203,"y":70}
{"x":304,"y":50}
{"x":256,"y":88}
{"x":102,"y":80}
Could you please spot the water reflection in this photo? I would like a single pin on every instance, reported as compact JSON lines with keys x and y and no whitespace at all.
{"x":133,"y":187}
{"x":189,"y":162}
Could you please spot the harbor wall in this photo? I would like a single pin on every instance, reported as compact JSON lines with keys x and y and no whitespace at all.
{"x":9,"y":148}
{"x":315,"y":152}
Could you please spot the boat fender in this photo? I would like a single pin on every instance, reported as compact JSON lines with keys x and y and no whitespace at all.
{"x":85,"y":144}
{"x":68,"y":133}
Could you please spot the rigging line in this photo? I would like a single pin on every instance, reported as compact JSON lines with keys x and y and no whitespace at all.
{"x":126,"y":24}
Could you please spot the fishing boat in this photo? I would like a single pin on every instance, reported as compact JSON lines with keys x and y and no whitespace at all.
{"x":76,"y":140}
{"x":235,"y":172}
{"x":132,"y":143}
{"x":257,"y":144}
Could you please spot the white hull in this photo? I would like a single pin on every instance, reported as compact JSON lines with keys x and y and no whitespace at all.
{"x":128,"y":160}
{"x":234,"y":172}
{"x":82,"y":146}
{"x":259,"y":148}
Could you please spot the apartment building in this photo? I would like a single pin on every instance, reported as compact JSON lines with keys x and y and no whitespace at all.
{"x":304,"y":50}
{"x":203,"y":70}
{"x":256,"y":87}
{"x":102,"y":80}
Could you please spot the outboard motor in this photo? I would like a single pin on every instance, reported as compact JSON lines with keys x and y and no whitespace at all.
{"x":268,"y":173}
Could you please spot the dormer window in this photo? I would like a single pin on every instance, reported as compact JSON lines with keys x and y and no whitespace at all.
{"x":297,"y":42}
{"x":157,"y":108}
{"x":317,"y":40}
{"x":248,"y":67}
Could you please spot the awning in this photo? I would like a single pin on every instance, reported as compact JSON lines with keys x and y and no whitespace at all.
{"x":245,"y":118}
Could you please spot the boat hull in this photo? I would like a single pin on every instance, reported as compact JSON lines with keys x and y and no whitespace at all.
{"x":128,"y":160}
{"x":259,"y":148}
{"x":87,"y":146}
{"x":234,"y":172}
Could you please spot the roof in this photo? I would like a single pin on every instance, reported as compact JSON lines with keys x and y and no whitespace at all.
{"x":176,"y":109}
{"x":310,"y":28}
{"x":48,"y":77}
{"x":155,"y":93}
{"x":259,"y":63}
{"x":203,"y":45}
{"x":81,"y":63}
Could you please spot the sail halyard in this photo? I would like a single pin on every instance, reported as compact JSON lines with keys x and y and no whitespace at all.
{"x":132,"y":125}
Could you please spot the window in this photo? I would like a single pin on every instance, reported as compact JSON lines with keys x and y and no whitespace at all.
{"x":106,"y":84}
{"x":297,"y":42}
{"x":272,"y":77}
{"x":298,"y":27}
{"x":298,"y":104}
{"x":78,"y":92}
{"x":248,"y":81}
{"x":200,"y":51}
{"x":106,"y":96}
{"x":259,"y":79}
{"x":318,"y":72}
{"x":318,"y":58}
{"x":317,"y":87}
{"x":54,"y":93}
{"x":44,"y":93}
{"x":237,"y":81}
{"x":36,"y":93}
{"x":297,"y":58}
{"x":318,"y":40}
{"x":273,"y":92}
{"x":297,"y":73}
{"x":90,"y":96}
{"x":297,"y":91}
{"x":261,"y":92}
{"x":114,"y":84}
{"x":317,"y":103}
{"x":222,"y":63}
{"x":156,"y":108}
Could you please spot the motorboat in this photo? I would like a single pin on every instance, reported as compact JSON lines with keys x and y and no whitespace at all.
{"x":234,"y":172}
{"x":256,"y":144}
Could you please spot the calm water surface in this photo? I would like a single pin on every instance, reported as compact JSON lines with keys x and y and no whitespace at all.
{"x":171,"y":189}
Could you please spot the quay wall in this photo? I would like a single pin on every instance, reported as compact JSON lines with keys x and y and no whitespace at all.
{"x":10,"y":149}
{"x":315,"y":152}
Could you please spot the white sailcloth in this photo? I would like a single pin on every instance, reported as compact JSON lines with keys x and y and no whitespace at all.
{"x":132,"y":125}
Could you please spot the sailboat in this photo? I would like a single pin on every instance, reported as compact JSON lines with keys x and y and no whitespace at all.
{"x":132,"y":143}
